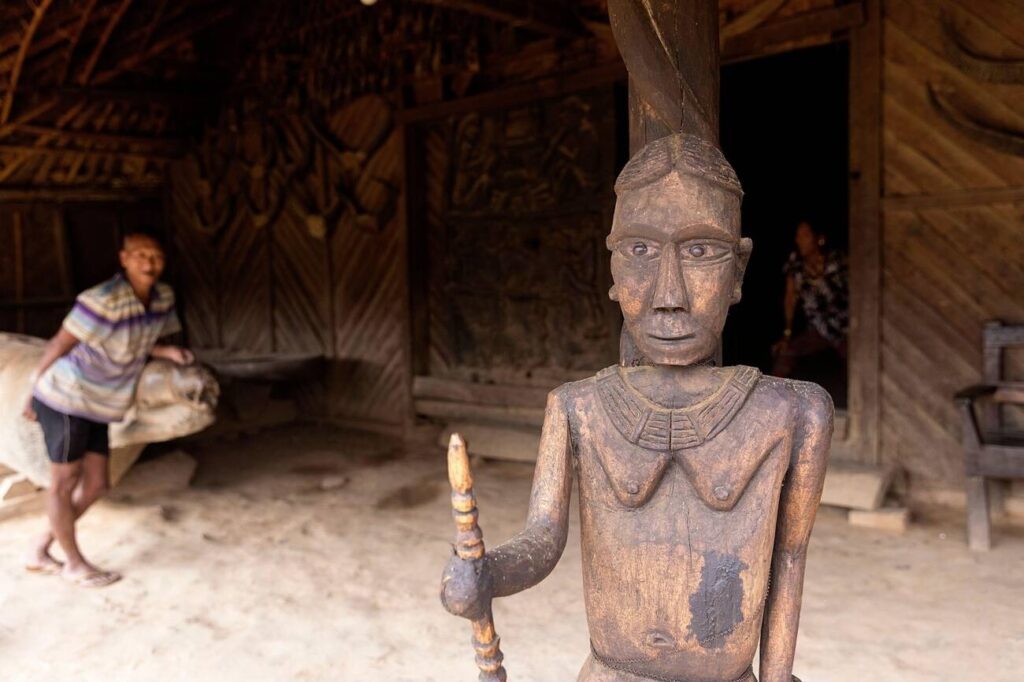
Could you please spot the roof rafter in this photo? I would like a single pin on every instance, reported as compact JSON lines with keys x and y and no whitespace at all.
{"x":19,"y":62}
{"x":94,"y":57}
{"x":166,"y":43}
{"x":544,"y":16}
{"x":82,"y":23}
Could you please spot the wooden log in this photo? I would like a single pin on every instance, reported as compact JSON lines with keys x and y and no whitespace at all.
{"x":856,"y":486}
{"x":979,"y":524}
{"x":494,"y":414}
{"x":498,"y":442}
{"x":895,"y":519}
{"x":435,"y":388}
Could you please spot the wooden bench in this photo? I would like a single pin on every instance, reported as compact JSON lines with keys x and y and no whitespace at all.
{"x":993,"y":449}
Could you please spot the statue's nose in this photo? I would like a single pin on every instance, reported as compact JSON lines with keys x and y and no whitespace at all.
{"x":670,"y":292}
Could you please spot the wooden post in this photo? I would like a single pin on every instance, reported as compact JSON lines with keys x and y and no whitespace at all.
{"x":864,"y":364}
{"x":671,"y":51}
{"x":19,"y":271}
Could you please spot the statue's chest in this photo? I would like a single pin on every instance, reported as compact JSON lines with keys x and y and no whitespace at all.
{"x":616,"y":471}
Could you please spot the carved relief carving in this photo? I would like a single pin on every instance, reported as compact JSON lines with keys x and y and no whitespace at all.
{"x":258,"y":158}
{"x":527,"y":212}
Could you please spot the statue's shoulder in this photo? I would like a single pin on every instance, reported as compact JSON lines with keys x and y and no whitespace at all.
{"x":809,"y":405}
{"x":572,"y":391}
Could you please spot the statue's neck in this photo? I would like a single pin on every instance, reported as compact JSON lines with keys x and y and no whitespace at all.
{"x":676,"y":386}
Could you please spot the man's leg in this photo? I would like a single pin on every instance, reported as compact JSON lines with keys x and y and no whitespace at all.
{"x":92,"y":474}
{"x":60,"y":509}
{"x":92,"y":485}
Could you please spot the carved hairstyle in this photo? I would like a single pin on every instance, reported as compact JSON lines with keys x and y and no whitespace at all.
{"x":683,"y":153}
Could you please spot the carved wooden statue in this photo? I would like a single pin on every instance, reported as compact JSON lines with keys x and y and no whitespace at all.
{"x":698,"y":484}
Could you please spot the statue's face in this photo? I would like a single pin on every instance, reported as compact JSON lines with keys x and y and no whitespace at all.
{"x":677,"y":263}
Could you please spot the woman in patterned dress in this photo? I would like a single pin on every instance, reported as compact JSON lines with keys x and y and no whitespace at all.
{"x":816,"y":277}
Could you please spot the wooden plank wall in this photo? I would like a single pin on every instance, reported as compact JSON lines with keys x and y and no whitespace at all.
{"x":50,"y":251}
{"x":953,"y":241}
{"x":292,"y":245}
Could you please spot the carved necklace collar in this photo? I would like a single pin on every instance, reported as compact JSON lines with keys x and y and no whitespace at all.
{"x":654,"y":427}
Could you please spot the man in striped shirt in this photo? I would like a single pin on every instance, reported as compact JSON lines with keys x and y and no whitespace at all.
{"x":86,"y":380}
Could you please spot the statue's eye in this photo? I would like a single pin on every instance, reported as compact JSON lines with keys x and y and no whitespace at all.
{"x":639,"y":249}
{"x":705,"y":251}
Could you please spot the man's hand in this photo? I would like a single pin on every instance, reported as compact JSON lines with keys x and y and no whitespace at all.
{"x":181,"y":356}
{"x":28,"y":413}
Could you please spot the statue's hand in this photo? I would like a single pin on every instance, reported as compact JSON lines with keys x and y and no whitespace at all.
{"x":466,"y":587}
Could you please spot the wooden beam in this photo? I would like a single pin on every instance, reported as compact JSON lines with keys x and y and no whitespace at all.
{"x":954,"y":199}
{"x":864,"y":364}
{"x":751,"y":19}
{"x":168,"y":145}
{"x":552,"y":17}
{"x":83,"y":22}
{"x":135,"y":59}
{"x":518,"y":94}
{"x":19,"y":62}
{"x":101,"y":44}
{"x":49,"y":151}
{"x":672,"y":52}
{"x":796,"y":27}
{"x":93,"y":94}
{"x":60,"y":194}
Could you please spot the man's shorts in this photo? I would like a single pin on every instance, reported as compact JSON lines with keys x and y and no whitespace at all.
{"x":68,"y":438}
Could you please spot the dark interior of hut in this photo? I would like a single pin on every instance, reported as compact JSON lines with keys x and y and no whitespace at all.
{"x":784,"y":128}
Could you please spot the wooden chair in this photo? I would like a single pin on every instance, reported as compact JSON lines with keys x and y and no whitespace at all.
{"x":992,"y":449}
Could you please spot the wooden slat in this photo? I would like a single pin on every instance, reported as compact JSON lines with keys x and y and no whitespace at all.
{"x":796,"y":27}
{"x":435,"y":388}
{"x":519,"y":94}
{"x":954,"y":199}
{"x":492,"y":414}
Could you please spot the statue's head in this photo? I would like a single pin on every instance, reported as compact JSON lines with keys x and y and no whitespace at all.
{"x":677,"y":255}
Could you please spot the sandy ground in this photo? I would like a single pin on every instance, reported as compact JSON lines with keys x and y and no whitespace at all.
{"x":257,"y":573}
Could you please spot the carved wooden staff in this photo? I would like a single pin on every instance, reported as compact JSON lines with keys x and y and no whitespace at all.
{"x":469,"y":545}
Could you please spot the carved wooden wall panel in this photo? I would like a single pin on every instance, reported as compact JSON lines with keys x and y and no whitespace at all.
{"x":954,"y":208}
{"x":286,"y":228}
{"x":518,"y":267}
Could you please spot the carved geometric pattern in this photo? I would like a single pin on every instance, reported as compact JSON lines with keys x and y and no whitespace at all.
{"x":654,"y":427}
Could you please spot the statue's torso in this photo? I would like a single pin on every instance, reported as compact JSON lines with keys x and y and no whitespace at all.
{"x":678,"y":516}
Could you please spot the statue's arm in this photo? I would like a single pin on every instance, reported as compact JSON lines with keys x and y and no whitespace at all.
{"x":530,"y":556}
{"x":798,"y":505}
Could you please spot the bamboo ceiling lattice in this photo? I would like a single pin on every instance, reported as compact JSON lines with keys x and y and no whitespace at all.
{"x":76,"y":78}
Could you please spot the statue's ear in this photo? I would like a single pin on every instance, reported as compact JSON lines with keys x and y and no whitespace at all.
{"x":743,"y":250}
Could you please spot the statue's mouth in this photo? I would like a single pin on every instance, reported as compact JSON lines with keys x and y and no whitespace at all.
{"x":673,"y":337}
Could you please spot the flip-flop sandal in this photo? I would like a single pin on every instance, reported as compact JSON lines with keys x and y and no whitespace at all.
{"x":95,"y":579}
{"x":52,"y":567}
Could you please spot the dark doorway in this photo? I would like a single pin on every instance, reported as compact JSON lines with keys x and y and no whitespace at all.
{"x":784,"y":128}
